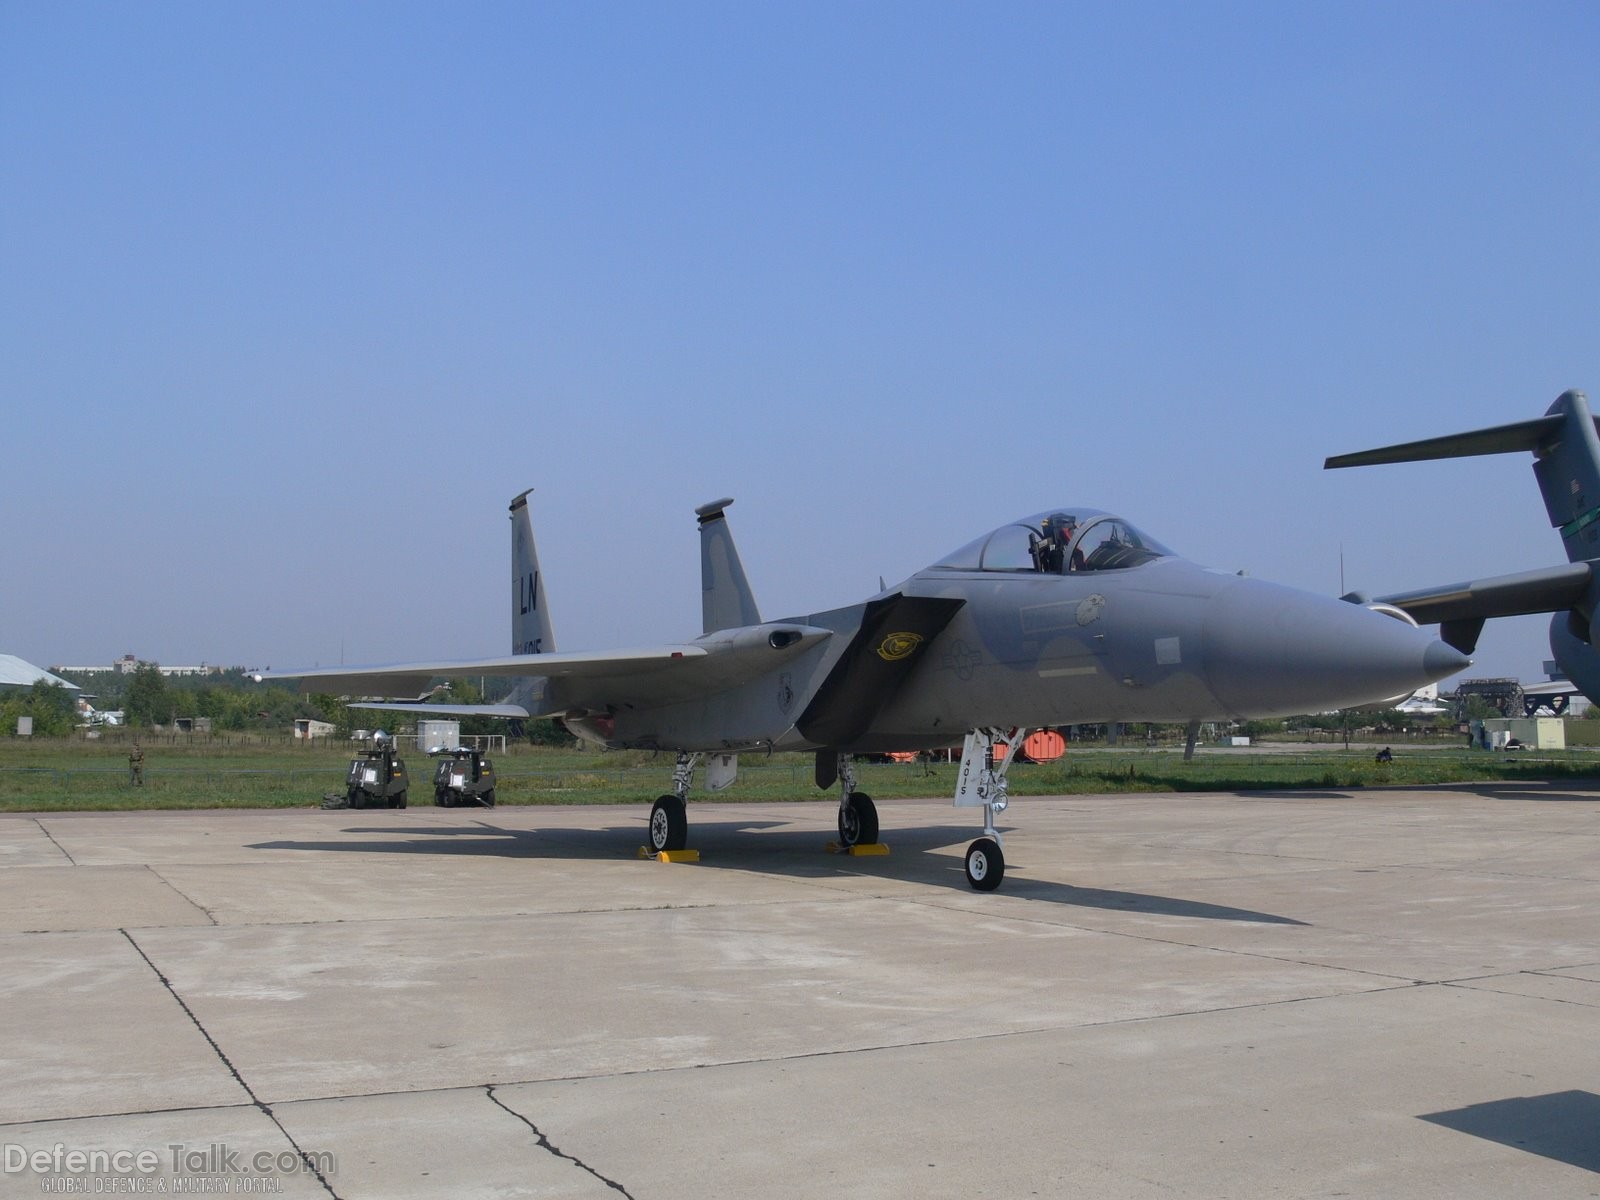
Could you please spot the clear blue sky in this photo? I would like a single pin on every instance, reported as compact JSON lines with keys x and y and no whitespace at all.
{"x":295,"y":297}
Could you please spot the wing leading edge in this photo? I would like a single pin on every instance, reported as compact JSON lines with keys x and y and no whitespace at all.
{"x":516,"y":712}
{"x":641,"y":677}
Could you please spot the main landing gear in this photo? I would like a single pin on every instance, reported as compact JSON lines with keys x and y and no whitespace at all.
{"x":669,"y":816}
{"x":985,"y":759}
{"x":982,"y":783}
{"x":858,"y":816}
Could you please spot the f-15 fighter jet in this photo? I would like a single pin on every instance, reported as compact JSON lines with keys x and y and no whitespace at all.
{"x":1067,"y":616}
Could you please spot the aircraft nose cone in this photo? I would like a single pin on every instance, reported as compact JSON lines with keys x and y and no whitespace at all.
{"x":1441,"y":660}
{"x":1275,"y":651}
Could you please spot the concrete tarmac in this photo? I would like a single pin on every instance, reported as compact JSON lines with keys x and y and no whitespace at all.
{"x":1375,"y":993}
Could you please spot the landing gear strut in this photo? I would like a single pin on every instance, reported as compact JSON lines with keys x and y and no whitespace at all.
{"x":858,"y":816}
{"x":982,"y":783}
{"x":669,"y":816}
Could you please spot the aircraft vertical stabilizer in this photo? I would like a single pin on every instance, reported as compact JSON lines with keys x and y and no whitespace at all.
{"x":725,"y":598}
{"x":530,"y":619}
{"x":1568,"y":470}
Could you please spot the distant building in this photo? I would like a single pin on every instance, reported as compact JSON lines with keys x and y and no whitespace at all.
{"x":306,"y":727}
{"x":128,"y":664}
{"x":1504,"y":694}
{"x":16,"y":674}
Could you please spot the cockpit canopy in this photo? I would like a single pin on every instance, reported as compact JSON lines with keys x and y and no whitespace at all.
{"x":1058,"y":542}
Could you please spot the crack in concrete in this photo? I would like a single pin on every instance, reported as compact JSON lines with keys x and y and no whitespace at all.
{"x":131,"y":1112}
{"x":206,"y":911}
{"x":53,"y":841}
{"x":1482,"y":986}
{"x":545,"y":1144}
{"x":264,"y":1108}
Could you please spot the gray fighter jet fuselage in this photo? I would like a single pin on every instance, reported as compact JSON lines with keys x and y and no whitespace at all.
{"x":1069,"y":616}
{"x":1123,"y":631}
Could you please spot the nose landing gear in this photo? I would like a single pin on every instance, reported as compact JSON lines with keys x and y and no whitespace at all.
{"x":982,"y":783}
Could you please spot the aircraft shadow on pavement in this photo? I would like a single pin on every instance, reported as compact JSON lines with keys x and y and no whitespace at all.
{"x":1560,"y":1125}
{"x":1294,"y":794}
{"x":1140,"y":902}
{"x":1556,"y":791}
{"x":767,"y":847}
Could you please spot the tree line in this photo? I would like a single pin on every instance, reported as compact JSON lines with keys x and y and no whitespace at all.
{"x":232,"y":700}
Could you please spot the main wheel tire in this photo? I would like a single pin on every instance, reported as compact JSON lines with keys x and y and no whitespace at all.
{"x":858,"y":820}
{"x":669,"y":824}
{"x":399,"y":800}
{"x":986,"y":865}
{"x":488,"y":798}
{"x":358,"y":799}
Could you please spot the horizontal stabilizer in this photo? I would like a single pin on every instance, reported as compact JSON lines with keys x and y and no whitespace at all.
{"x":1521,"y":436}
{"x":1566,"y":462}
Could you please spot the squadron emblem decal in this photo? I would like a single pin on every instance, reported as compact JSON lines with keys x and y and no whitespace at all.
{"x":898,"y":646}
{"x":1089,"y":609}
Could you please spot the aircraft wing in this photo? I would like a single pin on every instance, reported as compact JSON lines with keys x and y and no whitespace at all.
{"x":646,"y":676}
{"x":412,"y":679}
{"x":1549,"y":589}
{"x":513,"y":711}
{"x":1556,"y":687}
{"x":1460,"y":609}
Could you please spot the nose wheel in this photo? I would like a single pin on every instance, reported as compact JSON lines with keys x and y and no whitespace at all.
{"x":985,"y":759}
{"x":986,"y":864}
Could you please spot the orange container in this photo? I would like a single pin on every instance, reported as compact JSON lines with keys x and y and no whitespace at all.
{"x":1044,"y":745}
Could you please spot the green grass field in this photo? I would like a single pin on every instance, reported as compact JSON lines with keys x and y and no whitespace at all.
{"x":73,"y":775}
